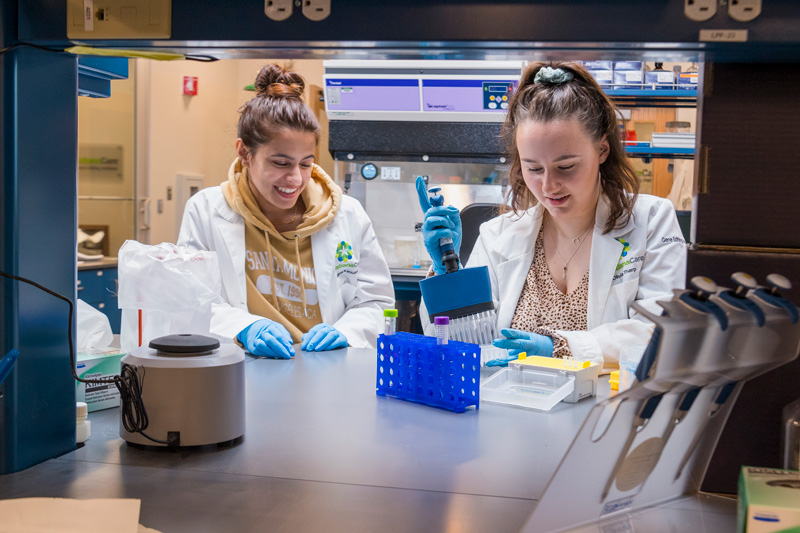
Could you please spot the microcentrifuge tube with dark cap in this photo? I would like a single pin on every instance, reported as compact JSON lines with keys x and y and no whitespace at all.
{"x":442,"y":325}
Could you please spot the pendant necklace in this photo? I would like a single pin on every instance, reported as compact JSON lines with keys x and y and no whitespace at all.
{"x":577,"y":240}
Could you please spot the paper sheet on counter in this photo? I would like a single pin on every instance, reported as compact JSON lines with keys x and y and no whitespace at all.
{"x":66,"y":515}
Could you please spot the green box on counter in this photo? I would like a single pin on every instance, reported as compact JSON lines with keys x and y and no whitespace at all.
{"x":94,"y":365}
{"x":769,"y":500}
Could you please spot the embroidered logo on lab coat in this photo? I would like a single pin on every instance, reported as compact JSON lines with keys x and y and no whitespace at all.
{"x":626,"y":246}
{"x":344,"y":252}
{"x":627,"y":267}
{"x":346,"y":262}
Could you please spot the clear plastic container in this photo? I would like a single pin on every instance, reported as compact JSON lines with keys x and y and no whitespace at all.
{"x":791,"y":436}
{"x":532,"y":389}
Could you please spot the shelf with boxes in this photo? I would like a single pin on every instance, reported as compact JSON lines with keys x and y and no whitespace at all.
{"x":636,"y":81}
{"x":636,"y":86}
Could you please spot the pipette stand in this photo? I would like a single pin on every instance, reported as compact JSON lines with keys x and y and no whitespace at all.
{"x":654,"y":474}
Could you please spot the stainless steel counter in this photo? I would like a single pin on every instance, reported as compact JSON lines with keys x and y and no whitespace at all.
{"x":323,"y":452}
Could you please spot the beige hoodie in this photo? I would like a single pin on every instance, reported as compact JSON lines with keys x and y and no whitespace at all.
{"x":281,"y":281}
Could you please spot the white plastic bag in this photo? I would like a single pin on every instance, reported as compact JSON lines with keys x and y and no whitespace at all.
{"x":169,"y":286}
{"x":94,"y":329}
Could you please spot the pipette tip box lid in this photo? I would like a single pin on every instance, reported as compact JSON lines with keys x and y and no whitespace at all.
{"x":527,"y":387}
{"x":586,"y":373}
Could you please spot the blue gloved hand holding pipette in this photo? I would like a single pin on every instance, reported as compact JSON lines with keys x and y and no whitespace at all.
{"x":267,"y":338}
{"x":440,"y":222}
{"x":517,"y":341}
{"x":323,"y":337}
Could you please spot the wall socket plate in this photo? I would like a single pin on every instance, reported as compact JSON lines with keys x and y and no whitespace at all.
{"x":119,"y":19}
{"x":316,"y":9}
{"x":278,"y":10}
{"x":699,"y":10}
{"x":744,"y":10}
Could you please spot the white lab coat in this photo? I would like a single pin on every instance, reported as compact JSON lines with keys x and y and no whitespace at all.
{"x":653,"y":265}
{"x":351,"y":299}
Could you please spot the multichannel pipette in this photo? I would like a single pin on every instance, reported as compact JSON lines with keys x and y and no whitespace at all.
{"x":463,"y":295}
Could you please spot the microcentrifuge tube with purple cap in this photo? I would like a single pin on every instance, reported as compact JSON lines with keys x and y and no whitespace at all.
{"x":442,"y":325}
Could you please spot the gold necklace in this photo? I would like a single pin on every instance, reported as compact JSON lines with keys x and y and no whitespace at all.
{"x":294,"y":214}
{"x":577,"y":240}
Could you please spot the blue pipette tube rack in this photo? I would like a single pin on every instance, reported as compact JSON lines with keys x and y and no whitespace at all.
{"x":414,"y":368}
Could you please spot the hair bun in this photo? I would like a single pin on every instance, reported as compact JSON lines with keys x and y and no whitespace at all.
{"x":279,"y":82}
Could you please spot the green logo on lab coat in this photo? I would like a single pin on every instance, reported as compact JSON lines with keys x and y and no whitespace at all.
{"x":344,"y":252}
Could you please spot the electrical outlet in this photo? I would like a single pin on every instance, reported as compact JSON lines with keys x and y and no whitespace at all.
{"x":700,"y":10}
{"x":278,"y":9}
{"x":316,"y":9}
{"x":744,"y":10}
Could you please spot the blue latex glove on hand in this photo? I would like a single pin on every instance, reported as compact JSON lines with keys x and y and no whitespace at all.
{"x":440,"y":222}
{"x":267,"y":338}
{"x":323,"y":337}
{"x":517,"y":342}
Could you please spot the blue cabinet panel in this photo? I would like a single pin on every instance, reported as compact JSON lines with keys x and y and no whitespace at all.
{"x":98,"y":288}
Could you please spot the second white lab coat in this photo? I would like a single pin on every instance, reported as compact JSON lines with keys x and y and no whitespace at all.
{"x":352,"y":294}
{"x":642,"y":261}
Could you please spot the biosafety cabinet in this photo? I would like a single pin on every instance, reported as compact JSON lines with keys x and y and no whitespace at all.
{"x":391,"y":121}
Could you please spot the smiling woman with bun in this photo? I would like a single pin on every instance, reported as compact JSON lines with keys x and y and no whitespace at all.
{"x":299,"y":261}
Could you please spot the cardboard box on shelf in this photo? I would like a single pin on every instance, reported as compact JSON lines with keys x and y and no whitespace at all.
{"x":659,"y":79}
{"x":603,"y":77}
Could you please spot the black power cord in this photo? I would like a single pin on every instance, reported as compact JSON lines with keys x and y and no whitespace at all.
{"x":128,"y":382}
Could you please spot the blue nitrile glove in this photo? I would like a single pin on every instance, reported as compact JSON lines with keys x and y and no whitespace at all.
{"x":7,"y":363}
{"x":323,"y":337}
{"x":440,"y":222}
{"x":267,"y":338}
{"x":517,"y":341}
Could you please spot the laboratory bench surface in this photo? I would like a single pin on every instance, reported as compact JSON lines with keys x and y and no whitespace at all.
{"x":322,"y":451}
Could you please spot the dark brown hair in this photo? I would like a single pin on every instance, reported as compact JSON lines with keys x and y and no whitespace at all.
{"x":278,"y":104}
{"x":580,"y":98}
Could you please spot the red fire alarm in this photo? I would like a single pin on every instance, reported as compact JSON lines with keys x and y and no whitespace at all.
{"x":190,"y":85}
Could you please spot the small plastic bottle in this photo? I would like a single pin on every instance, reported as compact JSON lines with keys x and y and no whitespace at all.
{"x":83,"y":427}
{"x":442,"y":325}
{"x":791,"y":436}
{"x":389,"y":321}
